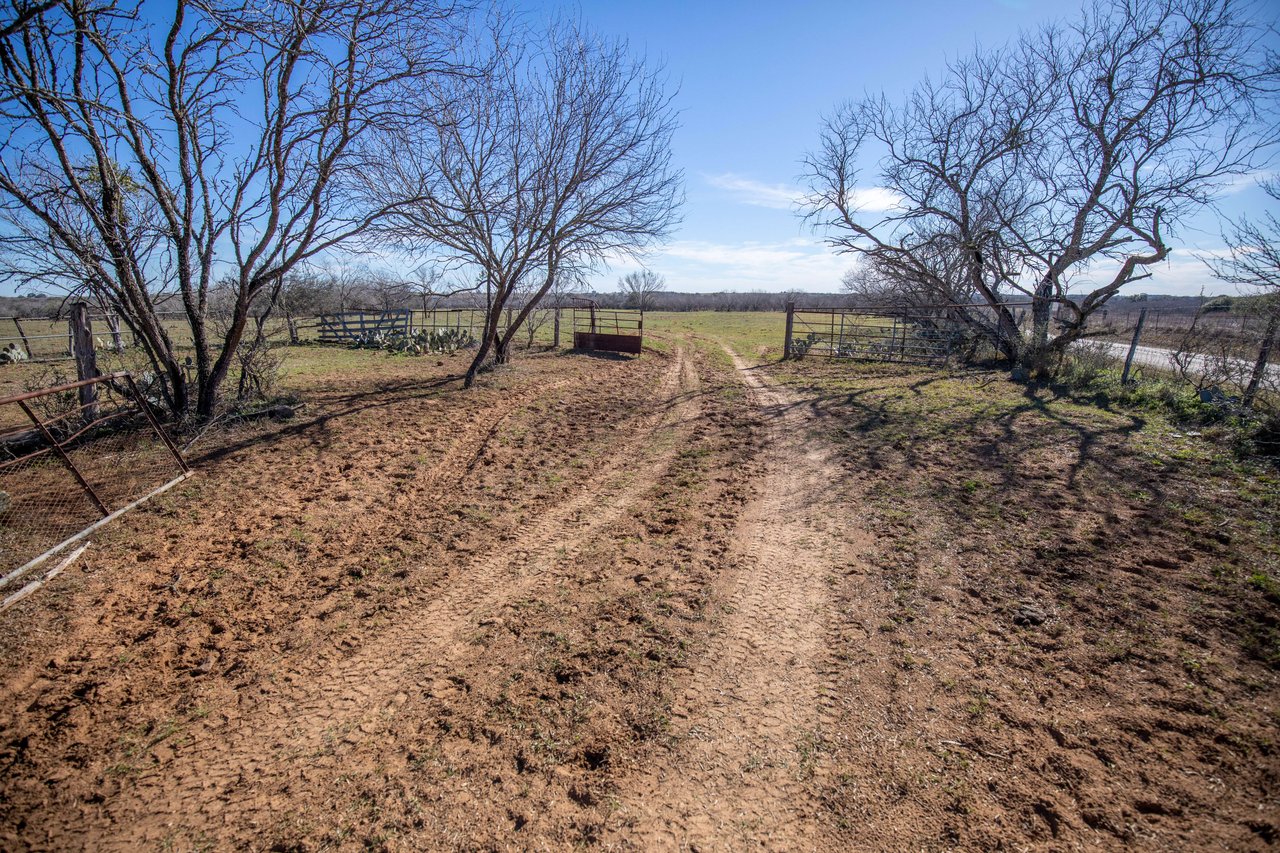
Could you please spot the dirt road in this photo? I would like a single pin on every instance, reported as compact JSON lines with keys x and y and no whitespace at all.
{"x":747,"y":727}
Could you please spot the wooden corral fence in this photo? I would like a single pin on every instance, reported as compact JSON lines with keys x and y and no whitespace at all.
{"x":44,"y":339}
{"x":72,"y":458}
{"x":41,"y":339}
{"x":351,"y":326}
{"x":609,"y":329}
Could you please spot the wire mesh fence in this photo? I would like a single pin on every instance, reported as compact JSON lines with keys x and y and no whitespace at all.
{"x":72,"y":457}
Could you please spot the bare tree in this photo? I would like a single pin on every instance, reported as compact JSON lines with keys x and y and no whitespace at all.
{"x":1253,"y":261}
{"x":431,"y":284}
{"x":641,"y":288}
{"x":1253,"y":248}
{"x":1066,"y":159}
{"x":143,"y":155}
{"x":543,"y":168}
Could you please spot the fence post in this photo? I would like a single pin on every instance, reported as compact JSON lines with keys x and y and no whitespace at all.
{"x":1133,"y":347}
{"x":786,"y":343}
{"x":86,"y":359}
{"x":1264,"y":355}
{"x":113,"y":323}
{"x":556,"y":327}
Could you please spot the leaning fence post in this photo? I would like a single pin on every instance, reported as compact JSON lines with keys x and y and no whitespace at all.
{"x":22,"y":334}
{"x":1264,"y":355}
{"x":786,"y":343}
{"x":1133,"y":347}
{"x":82,"y":347}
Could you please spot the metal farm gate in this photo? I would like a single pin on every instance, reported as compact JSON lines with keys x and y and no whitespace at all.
{"x":349,"y":327}
{"x":927,"y":335}
{"x":72,"y":458}
{"x":609,"y":329}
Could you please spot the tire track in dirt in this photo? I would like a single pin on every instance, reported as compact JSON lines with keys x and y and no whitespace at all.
{"x":254,"y":771}
{"x":747,"y":730}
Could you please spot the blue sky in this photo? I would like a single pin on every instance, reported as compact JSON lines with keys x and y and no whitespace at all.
{"x":755,"y":79}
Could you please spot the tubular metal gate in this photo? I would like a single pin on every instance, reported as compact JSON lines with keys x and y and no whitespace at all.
{"x":72,"y":458}
{"x":928,"y":335}
{"x":614,"y":330}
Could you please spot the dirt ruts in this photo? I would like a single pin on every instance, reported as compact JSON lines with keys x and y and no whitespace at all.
{"x":247,"y":772}
{"x":748,"y":729}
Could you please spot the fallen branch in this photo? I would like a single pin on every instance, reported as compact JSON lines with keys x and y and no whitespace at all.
{"x":981,"y":752}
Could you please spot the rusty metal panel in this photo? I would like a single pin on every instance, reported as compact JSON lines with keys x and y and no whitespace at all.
{"x":610,"y":343}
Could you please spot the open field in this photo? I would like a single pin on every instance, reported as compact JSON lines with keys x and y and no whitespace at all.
{"x":699,"y":599}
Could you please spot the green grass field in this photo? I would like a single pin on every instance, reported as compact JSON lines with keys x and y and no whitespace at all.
{"x":756,"y":336}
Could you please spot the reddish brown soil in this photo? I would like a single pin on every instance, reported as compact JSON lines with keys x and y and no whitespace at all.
{"x":1060,"y":637}
{"x":653,"y":603}
{"x":413,"y":614}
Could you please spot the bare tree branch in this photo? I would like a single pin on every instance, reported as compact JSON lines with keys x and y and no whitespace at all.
{"x":1072,"y":154}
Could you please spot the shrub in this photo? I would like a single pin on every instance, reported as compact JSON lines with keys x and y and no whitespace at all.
{"x":422,"y":342}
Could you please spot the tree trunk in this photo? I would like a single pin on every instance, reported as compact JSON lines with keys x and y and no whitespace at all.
{"x":502,"y":350}
{"x":209,"y":384}
{"x":529,"y":306}
{"x":492,"y":316}
{"x":1037,"y":357}
{"x":148,"y":331}
{"x":481,"y":354}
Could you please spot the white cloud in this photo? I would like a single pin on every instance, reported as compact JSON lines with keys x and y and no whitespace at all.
{"x":704,"y":266}
{"x":788,"y":197}
{"x":1240,"y":183}
{"x":747,"y":191}
{"x":802,"y":263}
{"x":875,"y":199}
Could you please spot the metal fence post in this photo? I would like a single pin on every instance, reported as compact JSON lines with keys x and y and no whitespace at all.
{"x":1133,"y":347}
{"x":786,"y":343}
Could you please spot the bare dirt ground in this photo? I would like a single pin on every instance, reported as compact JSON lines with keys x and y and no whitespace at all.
{"x":673,"y":602}
{"x":747,"y":727}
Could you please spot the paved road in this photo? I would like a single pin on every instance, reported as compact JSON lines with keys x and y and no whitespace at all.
{"x":1162,"y":358}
